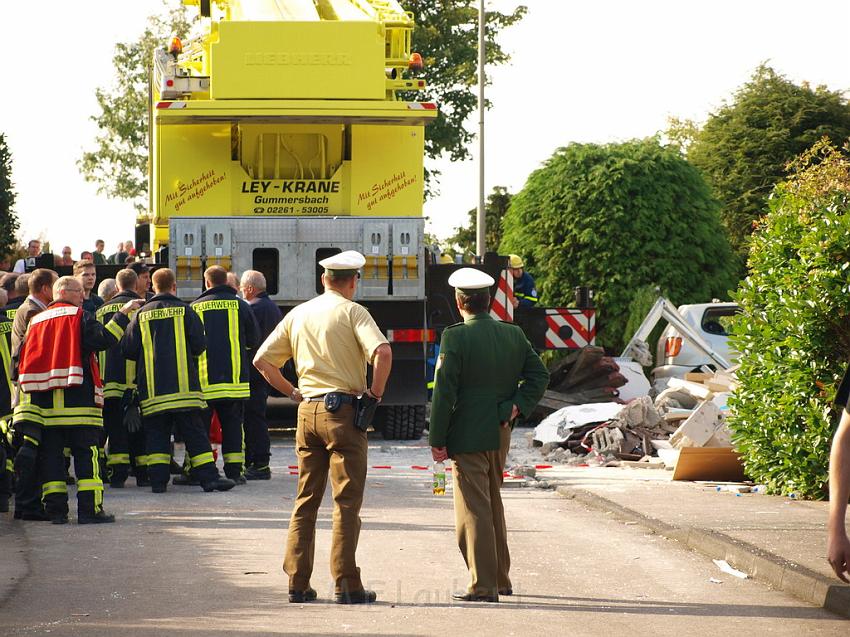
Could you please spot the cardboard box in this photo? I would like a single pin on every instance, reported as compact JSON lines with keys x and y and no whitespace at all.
{"x":709,"y":463}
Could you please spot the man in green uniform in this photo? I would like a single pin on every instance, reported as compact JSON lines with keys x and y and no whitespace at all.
{"x":331,"y":339}
{"x":487,"y":374}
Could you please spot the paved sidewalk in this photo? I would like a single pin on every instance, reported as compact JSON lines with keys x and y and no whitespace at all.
{"x":775,"y":540}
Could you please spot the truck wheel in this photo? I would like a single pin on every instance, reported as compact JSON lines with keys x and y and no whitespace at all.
{"x":404,"y":422}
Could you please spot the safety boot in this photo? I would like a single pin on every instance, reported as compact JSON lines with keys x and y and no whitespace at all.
{"x":219,"y":484}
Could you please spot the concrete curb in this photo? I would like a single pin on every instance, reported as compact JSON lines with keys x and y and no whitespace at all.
{"x":761,"y":565}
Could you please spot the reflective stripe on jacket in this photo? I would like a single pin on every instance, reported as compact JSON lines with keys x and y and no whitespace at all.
{"x":118,"y":373}
{"x":232,"y":335}
{"x":165,"y":338}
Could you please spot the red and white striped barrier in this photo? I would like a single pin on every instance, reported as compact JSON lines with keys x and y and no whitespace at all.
{"x":570,"y":328}
{"x":502,"y":308}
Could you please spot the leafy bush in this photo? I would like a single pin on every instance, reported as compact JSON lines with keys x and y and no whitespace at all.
{"x":616,"y":218}
{"x":793,"y":333}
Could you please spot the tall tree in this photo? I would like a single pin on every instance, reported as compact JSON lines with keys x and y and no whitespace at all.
{"x":445,"y":35}
{"x":463,"y":241}
{"x":119,"y":161}
{"x":8,"y":217}
{"x":618,"y":218}
{"x":744,"y":147}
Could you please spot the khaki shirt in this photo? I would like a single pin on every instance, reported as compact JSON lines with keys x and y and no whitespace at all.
{"x":331,"y":339}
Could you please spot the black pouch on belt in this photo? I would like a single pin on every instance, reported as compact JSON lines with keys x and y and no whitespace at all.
{"x":333,"y":401}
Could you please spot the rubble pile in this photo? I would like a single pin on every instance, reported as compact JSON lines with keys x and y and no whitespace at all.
{"x":691,"y":412}
{"x":583,"y":377}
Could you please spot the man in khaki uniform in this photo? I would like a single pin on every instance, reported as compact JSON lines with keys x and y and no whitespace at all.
{"x":487,"y":374}
{"x":331,"y":339}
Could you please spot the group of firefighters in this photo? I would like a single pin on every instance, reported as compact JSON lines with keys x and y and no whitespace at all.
{"x":109,"y":388}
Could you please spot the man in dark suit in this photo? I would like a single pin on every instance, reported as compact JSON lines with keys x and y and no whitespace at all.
{"x":257,"y":441}
{"x":487,"y":374}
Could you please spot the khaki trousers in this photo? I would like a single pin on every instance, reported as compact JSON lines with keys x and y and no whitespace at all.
{"x":480,"y":517}
{"x":327,"y":442}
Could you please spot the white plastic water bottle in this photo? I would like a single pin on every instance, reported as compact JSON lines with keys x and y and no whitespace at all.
{"x":439,"y":478}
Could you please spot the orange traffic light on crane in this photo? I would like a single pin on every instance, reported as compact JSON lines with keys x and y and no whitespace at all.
{"x":175,"y":47}
{"x":415,"y":63}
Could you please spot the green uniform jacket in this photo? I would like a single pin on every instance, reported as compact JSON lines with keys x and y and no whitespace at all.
{"x":484,"y":368}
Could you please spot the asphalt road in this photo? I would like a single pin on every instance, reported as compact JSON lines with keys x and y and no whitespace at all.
{"x":190,"y":563}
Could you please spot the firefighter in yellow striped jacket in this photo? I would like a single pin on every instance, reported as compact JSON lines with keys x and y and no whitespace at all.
{"x":165,"y":338}
{"x":119,"y":383}
{"x":6,"y":391}
{"x":232,"y":336}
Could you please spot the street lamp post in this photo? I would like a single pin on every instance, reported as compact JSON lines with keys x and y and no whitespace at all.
{"x":481,"y":222}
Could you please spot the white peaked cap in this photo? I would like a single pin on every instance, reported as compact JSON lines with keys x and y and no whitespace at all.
{"x":470,"y":279}
{"x":348,"y":260}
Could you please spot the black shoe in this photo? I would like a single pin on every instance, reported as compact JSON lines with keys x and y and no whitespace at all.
{"x":506,"y":591}
{"x":34,"y":516}
{"x":299,"y":597}
{"x":101,"y":517}
{"x":219,"y":484}
{"x":253,"y":473}
{"x":472,"y":597}
{"x":59,"y":519}
{"x":356,"y":597}
{"x":238,"y":479}
{"x":159,"y":488}
{"x":184,"y":481}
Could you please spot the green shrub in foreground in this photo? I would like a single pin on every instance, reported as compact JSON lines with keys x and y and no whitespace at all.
{"x":793,"y":334}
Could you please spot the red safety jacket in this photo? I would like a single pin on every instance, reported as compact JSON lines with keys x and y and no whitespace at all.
{"x":43,"y":366}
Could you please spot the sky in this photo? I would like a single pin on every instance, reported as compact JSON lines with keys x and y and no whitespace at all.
{"x":601,"y":71}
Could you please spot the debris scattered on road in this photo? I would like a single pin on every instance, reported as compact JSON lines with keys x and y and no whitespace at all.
{"x":714,"y":580}
{"x":724,"y":566}
{"x":644,"y":432}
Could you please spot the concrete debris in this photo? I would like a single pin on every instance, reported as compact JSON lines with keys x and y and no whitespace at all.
{"x":644,"y":432}
{"x":637,"y":384}
{"x":699,"y":427}
{"x":585,"y":376}
{"x":734,"y":488}
{"x":549,"y":447}
{"x":523,"y":471}
{"x":558,"y":426}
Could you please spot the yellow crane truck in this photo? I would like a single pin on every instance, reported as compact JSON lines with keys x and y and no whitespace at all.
{"x":278,"y":138}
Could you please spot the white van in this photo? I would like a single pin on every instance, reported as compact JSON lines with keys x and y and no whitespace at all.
{"x":675,"y":356}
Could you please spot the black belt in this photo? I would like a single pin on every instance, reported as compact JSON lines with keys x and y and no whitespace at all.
{"x":344,"y":399}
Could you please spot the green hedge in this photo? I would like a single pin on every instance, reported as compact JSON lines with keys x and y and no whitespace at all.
{"x":794,"y":334}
